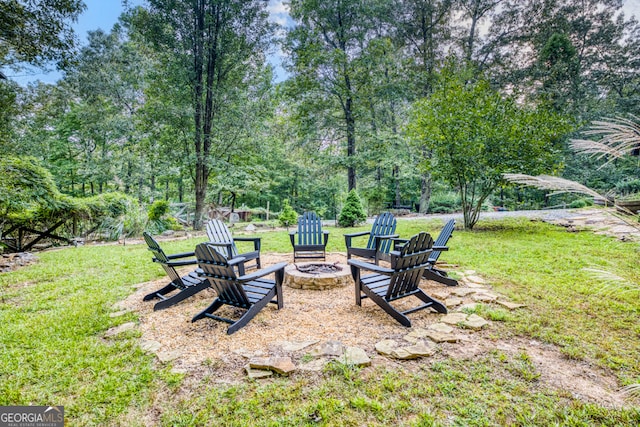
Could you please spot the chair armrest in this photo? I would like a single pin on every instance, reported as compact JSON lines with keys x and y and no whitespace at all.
{"x":262,"y":272}
{"x":398,"y":242}
{"x":237,"y":260}
{"x":440,"y":248}
{"x":348,"y":237}
{"x":326,"y":237}
{"x":177,"y":263}
{"x":182,"y":255}
{"x":378,"y":240}
{"x":371,"y":267}
{"x":256,"y":241}
{"x":362,"y":233}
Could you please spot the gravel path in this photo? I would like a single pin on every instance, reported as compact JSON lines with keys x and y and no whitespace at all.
{"x":600,"y":220}
{"x":545,"y":215}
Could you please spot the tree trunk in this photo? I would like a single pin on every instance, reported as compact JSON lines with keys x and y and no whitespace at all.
{"x":201,"y":192}
{"x":128,"y":180}
{"x":351,"y":140}
{"x":425,"y":193}
{"x":396,"y":184}
{"x":200,"y":182}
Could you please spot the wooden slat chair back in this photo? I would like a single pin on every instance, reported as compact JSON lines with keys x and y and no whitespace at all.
{"x":409,"y":265}
{"x":219,"y":235}
{"x":384,"y":225}
{"x":310,"y":229}
{"x":442,"y":240}
{"x":250,"y":292}
{"x":186,"y":285}
{"x":400,"y":281}
{"x":218,"y":232}
{"x":379,"y":242}
{"x":221,"y":276}
{"x":312,"y":240}
{"x":440,"y":245}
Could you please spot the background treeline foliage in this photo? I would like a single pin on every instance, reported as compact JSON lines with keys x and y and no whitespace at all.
{"x":178,"y":101}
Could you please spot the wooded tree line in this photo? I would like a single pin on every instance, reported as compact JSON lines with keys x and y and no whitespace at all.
{"x":400,"y":100}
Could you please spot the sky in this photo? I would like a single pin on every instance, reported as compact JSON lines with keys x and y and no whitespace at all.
{"x":102,"y":14}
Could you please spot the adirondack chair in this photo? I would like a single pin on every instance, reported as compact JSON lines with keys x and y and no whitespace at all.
{"x":400,"y":281}
{"x":440,"y":245}
{"x":251,"y":292}
{"x":185,"y":286}
{"x":220,"y":236}
{"x":379,"y":242}
{"x":312,"y":241}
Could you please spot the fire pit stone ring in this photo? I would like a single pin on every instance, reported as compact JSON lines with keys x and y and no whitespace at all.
{"x":317,"y":275}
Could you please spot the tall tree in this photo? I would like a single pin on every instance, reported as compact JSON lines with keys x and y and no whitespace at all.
{"x":37,"y":32}
{"x":215,"y":47}
{"x":476,"y":135}
{"x":325,"y":47}
{"x":424,"y":28}
{"x":474,"y":14}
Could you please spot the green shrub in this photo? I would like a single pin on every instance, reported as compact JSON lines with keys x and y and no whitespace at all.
{"x":446,"y":202}
{"x":288,"y":216}
{"x":159,"y":218}
{"x":158,"y":209}
{"x":628,"y":186}
{"x":352,"y":213}
{"x":581,"y":203}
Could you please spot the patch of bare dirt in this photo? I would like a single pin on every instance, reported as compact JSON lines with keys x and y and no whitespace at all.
{"x":579,"y":379}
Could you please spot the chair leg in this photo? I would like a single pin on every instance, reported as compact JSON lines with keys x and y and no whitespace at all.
{"x":430,"y":274}
{"x":278,"y":288}
{"x":213,"y":307}
{"x":355,"y":273}
{"x":434,"y":303}
{"x":250,"y":313}
{"x":182,"y":295}
{"x":384,"y":304}
{"x":160,"y":292}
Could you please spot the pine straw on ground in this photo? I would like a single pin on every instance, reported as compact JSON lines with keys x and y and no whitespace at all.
{"x":203,"y":348}
{"x":307,"y":315}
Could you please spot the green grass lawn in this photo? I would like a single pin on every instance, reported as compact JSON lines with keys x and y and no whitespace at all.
{"x":53,"y":316}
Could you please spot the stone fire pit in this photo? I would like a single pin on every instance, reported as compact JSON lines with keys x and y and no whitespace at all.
{"x":317,"y":275}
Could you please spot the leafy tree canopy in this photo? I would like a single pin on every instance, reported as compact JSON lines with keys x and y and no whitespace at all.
{"x":37,"y":31}
{"x":29,"y":195}
{"x":476,"y":134}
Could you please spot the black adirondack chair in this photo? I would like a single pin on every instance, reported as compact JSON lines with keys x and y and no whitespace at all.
{"x":251,"y":292}
{"x":379,"y":243}
{"x":440,"y":245}
{"x":184,"y":286}
{"x":220,"y":236}
{"x":312,"y":241}
{"x":400,"y":281}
